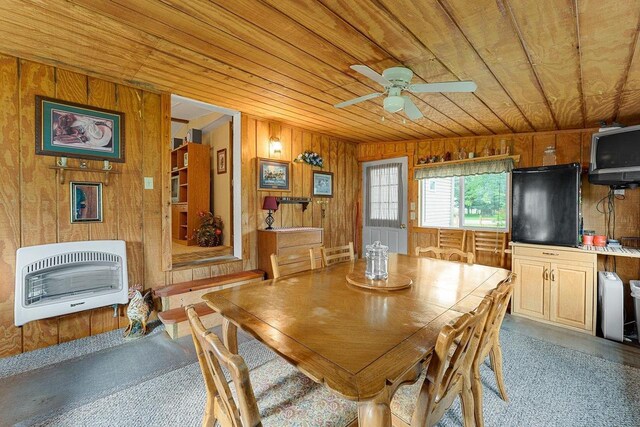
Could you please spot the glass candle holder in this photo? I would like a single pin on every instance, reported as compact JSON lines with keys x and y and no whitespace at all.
{"x":377,"y":256}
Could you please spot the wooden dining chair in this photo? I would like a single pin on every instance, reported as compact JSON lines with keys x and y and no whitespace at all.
{"x":212,"y":356}
{"x":451,"y":239}
{"x":279,"y":385}
{"x":446,"y":254}
{"x":337,"y":254}
{"x":491,"y":242}
{"x":306,"y":259}
{"x":448,"y":374}
{"x":490,"y":345}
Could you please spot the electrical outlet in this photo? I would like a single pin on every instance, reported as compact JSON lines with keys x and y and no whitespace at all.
{"x":413,"y":206}
{"x":619,"y":192}
{"x":148,"y":183}
{"x":413,"y":216}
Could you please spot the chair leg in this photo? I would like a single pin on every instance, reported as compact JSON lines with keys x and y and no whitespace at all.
{"x":492,"y":363}
{"x":476,"y":390}
{"x":466,"y":398}
{"x":209,"y":418}
{"x":496,"y":356}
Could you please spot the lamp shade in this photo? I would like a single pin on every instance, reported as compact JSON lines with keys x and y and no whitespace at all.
{"x":270,"y":203}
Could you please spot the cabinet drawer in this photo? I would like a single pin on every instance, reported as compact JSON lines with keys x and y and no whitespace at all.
{"x":182,"y":207}
{"x":551,"y":254}
{"x":303,"y":238}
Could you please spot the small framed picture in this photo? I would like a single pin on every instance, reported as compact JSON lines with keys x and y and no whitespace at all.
{"x":222,"y":161}
{"x":322,"y":184}
{"x":86,"y":202}
{"x":273,"y":175}
{"x":67,"y":129}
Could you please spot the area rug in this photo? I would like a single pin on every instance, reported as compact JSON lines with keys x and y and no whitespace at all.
{"x":548,"y":385}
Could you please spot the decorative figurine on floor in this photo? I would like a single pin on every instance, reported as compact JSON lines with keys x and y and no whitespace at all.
{"x":140,"y":307}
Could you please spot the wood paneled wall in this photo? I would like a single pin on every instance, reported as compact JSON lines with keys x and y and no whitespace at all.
{"x":339,"y":157}
{"x":35,"y":207}
{"x":571,"y":146}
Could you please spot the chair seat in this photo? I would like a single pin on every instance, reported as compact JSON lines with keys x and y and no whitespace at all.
{"x":286,"y":397}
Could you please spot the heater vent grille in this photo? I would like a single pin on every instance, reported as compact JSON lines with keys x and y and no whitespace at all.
{"x":70,"y":275}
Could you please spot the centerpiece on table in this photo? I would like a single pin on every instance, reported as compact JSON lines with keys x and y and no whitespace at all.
{"x":210,"y":231}
{"x":310,"y":157}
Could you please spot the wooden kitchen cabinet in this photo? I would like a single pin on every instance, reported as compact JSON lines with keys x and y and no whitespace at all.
{"x":555,"y":285}
{"x":531,"y":294}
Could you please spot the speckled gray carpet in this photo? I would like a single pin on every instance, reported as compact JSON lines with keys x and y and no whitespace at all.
{"x":548,"y":386}
{"x":58,"y":353}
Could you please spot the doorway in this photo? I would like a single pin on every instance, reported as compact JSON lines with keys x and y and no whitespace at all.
{"x":385,"y":203}
{"x":203,"y":162}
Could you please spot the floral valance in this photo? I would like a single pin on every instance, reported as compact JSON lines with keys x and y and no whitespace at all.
{"x":476,"y":167}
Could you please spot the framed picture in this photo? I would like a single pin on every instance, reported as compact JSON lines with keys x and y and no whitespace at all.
{"x":66,"y":129}
{"x":86,"y":202}
{"x":222,"y":161}
{"x":273,"y":174}
{"x":322,"y":184}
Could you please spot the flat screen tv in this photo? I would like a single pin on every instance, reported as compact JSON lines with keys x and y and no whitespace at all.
{"x":545,"y":205}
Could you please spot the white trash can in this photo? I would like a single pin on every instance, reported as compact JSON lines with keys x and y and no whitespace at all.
{"x":635,"y":294}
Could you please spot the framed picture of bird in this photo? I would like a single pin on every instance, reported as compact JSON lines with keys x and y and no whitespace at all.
{"x":67,"y":129}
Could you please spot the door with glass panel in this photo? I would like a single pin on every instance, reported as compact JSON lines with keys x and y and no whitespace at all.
{"x":385,"y":203}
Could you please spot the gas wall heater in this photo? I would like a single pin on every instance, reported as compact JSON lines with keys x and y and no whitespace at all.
{"x":63,"y":278}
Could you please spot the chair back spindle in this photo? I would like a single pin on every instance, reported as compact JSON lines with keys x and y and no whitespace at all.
{"x":446,"y":254}
{"x":338,"y":254}
{"x":451,"y":239}
{"x":303,"y":260}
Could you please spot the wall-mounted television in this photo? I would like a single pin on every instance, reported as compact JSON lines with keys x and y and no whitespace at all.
{"x":615,"y":157}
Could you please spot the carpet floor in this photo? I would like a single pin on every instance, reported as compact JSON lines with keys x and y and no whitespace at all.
{"x":548,"y":385}
{"x":69,"y":350}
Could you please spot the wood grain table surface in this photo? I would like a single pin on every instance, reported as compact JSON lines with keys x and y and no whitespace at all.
{"x":360,"y":343}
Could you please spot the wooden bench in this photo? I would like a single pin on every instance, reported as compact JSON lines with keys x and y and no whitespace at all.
{"x":177,"y":296}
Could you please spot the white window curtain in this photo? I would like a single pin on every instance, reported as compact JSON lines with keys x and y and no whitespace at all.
{"x":384,"y":195}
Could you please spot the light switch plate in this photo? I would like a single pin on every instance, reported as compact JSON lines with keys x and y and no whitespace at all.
{"x":413,"y":206}
{"x":413,"y":216}
{"x":148,"y":183}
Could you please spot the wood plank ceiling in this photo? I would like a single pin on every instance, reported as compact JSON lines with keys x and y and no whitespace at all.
{"x":539,"y":64}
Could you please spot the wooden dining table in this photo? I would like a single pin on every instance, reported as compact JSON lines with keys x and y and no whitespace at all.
{"x":360,"y":343}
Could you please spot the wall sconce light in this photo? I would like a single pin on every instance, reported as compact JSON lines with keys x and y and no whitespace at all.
{"x":275,"y":145}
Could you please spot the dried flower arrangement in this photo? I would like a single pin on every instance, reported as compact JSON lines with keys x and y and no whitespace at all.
{"x":210,"y":231}
{"x":309,"y":157}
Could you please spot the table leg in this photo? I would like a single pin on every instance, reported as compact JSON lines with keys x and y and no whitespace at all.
{"x":230,"y":336}
{"x":375,"y":412}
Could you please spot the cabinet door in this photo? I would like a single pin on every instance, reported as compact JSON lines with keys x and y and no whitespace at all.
{"x":531,"y":290}
{"x":571,"y":301}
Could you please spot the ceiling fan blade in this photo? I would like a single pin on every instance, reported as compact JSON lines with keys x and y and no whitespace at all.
{"x":356,"y":100}
{"x":467,"y":86}
{"x":411,"y":110}
{"x":368,"y":72}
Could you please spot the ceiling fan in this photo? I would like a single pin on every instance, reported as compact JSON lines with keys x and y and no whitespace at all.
{"x":395,"y":80}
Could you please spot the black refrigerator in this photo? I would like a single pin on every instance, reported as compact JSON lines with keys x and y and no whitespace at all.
{"x":546,"y":205}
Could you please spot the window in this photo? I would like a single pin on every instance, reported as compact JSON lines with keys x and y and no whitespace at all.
{"x":384,"y":195}
{"x":472,"y":201}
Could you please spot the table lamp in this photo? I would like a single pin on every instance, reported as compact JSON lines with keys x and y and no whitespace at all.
{"x":271,"y":204}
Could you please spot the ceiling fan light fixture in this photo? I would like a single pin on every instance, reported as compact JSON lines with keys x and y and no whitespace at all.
{"x":393,"y":104}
